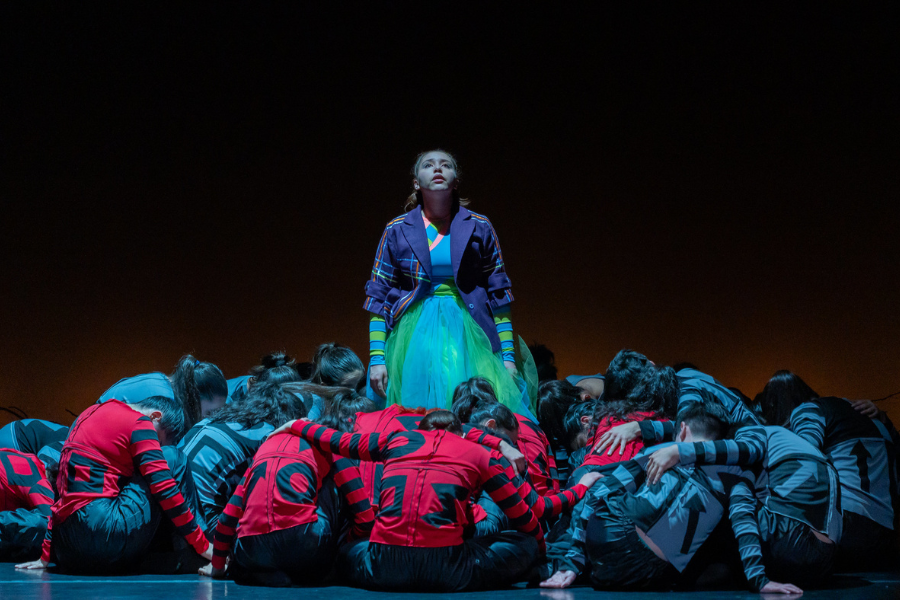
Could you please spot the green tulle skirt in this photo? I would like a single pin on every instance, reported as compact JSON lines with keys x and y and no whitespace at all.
{"x":436,"y":345}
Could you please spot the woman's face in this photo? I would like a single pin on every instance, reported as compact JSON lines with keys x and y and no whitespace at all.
{"x":436,"y":173}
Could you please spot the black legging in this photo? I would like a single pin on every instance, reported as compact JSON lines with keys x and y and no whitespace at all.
{"x":482,"y":563}
{"x":299,"y":555}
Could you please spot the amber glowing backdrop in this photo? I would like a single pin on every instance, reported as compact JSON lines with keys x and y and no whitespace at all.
{"x":717,"y":186}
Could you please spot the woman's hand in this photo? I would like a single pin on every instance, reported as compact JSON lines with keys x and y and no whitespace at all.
{"x":559,"y":580}
{"x":618,"y":436}
{"x":378,"y":378}
{"x":867,"y":408}
{"x":513,"y":455}
{"x":661,"y":461}
{"x":209,"y":552}
{"x":589,"y":479}
{"x":774,"y":587}
{"x":510,"y":367}
{"x":210,"y":571}
{"x":286,"y":427}
{"x":35,"y":564}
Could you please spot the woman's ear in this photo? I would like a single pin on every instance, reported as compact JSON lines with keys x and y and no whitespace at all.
{"x":683,"y":432}
{"x":156,"y":416}
{"x":491,"y":423}
{"x":416,"y":184}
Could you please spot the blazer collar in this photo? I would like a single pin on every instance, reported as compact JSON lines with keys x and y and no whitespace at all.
{"x":414,"y":231}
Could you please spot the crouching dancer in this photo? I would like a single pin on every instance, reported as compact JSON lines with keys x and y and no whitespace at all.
{"x":282,"y":513}
{"x":417,"y":540}
{"x":25,"y":501}
{"x":107,"y":515}
{"x":636,"y":534}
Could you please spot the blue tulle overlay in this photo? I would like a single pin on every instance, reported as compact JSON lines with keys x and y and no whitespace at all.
{"x":437,"y":345}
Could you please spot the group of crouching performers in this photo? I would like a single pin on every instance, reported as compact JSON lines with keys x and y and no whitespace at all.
{"x":291,"y":475}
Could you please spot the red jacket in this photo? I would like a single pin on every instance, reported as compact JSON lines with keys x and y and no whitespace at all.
{"x":429,"y":477}
{"x":23,"y":483}
{"x":631,"y":448}
{"x":281,"y":488}
{"x":541,"y":462}
{"x":103,"y":447}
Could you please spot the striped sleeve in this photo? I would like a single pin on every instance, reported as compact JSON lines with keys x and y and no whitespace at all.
{"x":377,"y":337}
{"x":574,"y":558}
{"x":503,"y":322}
{"x":654,"y":432}
{"x":504,"y":493}
{"x":361,"y":446}
{"x":808,"y":422}
{"x":47,"y":544}
{"x":384,"y":276}
{"x":742,"y":512}
{"x":152,"y":465}
{"x":226,"y":528}
{"x":473,"y":434}
{"x":748,"y":448}
{"x":350,"y":486}
{"x":40,"y":495}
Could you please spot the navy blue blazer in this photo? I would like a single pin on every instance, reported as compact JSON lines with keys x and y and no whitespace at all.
{"x":402,"y":271}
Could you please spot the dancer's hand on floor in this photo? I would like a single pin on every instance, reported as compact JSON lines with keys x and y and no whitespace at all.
{"x":661,"y":461}
{"x":35,"y":564}
{"x":513,"y":455}
{"x":618,"y":436}
{"x":210,"y":571}
{"x":559,"y":580}
{"x":773,"y":587}
{"x":378,"y":378}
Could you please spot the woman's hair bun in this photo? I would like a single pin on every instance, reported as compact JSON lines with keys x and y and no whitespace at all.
{"x":276,"y":359}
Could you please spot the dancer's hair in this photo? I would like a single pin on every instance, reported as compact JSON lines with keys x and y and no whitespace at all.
{"x":194,"y":381}
{"x":270,"y":403}
{"x":415,"y":199}
{"x":172,"y":420}
{"x":572,"y":426}
{"x":337,"y":365}
{"x":275,"y":367}
{"x":784,"y":392}
{"x":655,"y":392}
{"x":707,"y":420}
{"x":623,"y":373}
{"x":469,"y":394}
{"x":342,"y":407}
{"x":555,"y":398}
{"x":441,"y":419}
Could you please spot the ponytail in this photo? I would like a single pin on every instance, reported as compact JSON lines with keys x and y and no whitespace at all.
{"x":194,"y":381}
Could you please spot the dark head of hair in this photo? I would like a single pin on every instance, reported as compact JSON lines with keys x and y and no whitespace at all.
{"x":276,"y":367}
{"x":172,"y":421}
{"x":555,"y":398}
{"x":623,"y":373}
{"x":266,"y":403}
{"x":341,"y":408}
{"x":784,"y":392}
{"x":656,"y":392}
{"x":337,"y":365}
{"x":305,"y":370}
{"x":707,"y":421}
{"x":685,"y":365}
{"x":469,"y":394}
{"x":415,"y":199}
{"x":441,"y":419}
{"x":502,"y":416}
{"x":194,"y":381}
{"x":545,"y":361}
{"x":572,"y":425}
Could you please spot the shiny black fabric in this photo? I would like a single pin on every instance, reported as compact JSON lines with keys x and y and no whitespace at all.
{"x":299,"y":555}
{"x":791,"y":553}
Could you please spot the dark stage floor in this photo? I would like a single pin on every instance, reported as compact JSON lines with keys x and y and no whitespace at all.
{"x":47,"y":586}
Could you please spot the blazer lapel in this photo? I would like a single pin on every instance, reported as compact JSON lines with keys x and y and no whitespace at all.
{"x":461,"y":229}
{"x":414,"y":231}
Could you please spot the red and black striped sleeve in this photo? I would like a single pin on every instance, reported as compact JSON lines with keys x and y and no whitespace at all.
{"x":40,"y":495}
{"x":551,"y":505}
{"x":47,"y":544}
{"x":152,"y":465}
{"x":361,"y":446}
{"x":504,"y":493}
{"x":473,"y":434}
{"x":350,"y":485}
{"x":227,"y":525}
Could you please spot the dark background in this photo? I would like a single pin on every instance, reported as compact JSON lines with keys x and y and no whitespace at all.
{"x":713,"y":183}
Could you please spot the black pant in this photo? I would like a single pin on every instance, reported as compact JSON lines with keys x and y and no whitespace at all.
{"x":865,"y":545}
{"x":299,"y":555}
{"x":791,"y":553}
{"x":619,"y":559}
{"x":114,"y":534}
{"x":482,"y":563}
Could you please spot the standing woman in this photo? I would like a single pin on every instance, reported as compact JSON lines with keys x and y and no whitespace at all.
{"x":439,"y":297}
